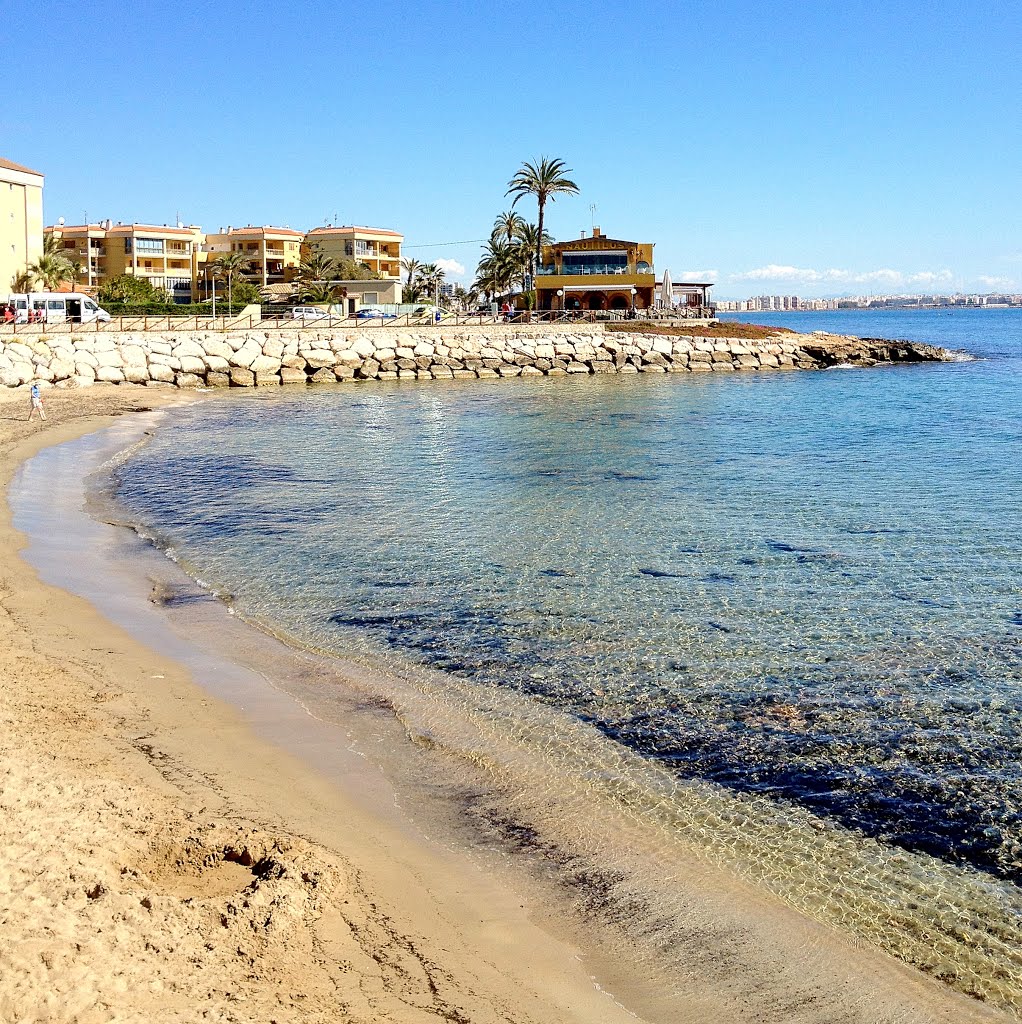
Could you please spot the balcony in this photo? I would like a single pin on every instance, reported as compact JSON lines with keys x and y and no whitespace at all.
{"x":592,"y":269}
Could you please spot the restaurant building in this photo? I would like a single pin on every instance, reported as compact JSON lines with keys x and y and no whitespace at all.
{"x":596,"y":272}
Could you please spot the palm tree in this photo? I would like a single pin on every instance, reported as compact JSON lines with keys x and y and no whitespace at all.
{"x":321,"y":292}
{"x":545,"y":180}
{"x":50,"y":270}
{"x":497,"y":268}
{"x":227,"y":265}
{"x":22,"y":282}
{"x":317,"y":268}
{"x":528,"y":241}
{"x":75,"y":269}
{"x":432,"y":277}
{"x":507,"y":224}
{"x":412,"y":266}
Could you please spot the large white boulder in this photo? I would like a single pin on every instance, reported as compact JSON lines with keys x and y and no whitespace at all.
{"x":246,"y":355}
{"x":217,"y":347}
{"x":192,"y":364}
{"x":263,"y":365}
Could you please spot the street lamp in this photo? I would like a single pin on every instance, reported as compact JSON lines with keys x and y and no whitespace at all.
{"x":560,"y":296}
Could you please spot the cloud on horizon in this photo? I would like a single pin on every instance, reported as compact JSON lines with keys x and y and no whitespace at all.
{"x":452,"y":268}
{"x":696,"y":275}
{"x":998,"y":283}
{"x":780,"y":273}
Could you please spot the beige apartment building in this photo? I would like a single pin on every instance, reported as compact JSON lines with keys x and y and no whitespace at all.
{"x":274,"y":254}
{"x":377,"y":248}
{"x":85,"y":245}
{"x":21,"y":220}
{"x":176,"y":259}
{"x":168,"y":257}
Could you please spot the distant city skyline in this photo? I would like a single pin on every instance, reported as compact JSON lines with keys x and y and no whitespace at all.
{"x":784,"y":303}
{"x":783,"y":148}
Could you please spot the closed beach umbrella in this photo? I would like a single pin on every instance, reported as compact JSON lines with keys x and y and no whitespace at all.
{"x":666,"y":298}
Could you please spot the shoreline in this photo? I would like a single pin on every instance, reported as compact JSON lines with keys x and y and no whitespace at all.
{"x":529,"y":973}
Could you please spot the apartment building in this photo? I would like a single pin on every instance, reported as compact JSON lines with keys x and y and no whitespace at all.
{"x":21,"y":219}
{"x":377,"y":248}
{"x":168,"y":257}
{"x":84,"y":245}
{"x":274,"y":254}
{"x":175,"y":258}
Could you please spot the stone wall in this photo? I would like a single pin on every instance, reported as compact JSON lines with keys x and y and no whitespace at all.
{"x":247,"y":358}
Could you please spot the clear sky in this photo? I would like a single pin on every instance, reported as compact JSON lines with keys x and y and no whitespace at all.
{"x":815,"y":148}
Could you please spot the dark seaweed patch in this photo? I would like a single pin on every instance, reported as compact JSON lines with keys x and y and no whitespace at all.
{"x":616,"y":474}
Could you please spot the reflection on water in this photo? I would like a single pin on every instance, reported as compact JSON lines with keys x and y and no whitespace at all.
{"x":802,"y":588}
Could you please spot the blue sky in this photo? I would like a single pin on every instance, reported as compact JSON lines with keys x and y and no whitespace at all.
{"x":812,"y":148}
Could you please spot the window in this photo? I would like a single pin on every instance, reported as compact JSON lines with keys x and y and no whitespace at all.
{"x":150,"y":245}
{"x":370,"y":298}
{"x":56,"y":304}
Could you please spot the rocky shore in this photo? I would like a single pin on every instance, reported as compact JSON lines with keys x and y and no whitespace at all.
{"x":253,"y":357}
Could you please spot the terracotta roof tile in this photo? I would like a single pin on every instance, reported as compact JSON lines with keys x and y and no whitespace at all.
{"x":348,"y":228}
{"x":9,"y":165}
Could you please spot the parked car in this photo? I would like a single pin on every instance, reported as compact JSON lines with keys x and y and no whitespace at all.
{"x":309,"y":313}
{"x":373,"y":314}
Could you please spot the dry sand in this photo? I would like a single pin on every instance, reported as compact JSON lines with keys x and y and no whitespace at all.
{"x":160,"y":862}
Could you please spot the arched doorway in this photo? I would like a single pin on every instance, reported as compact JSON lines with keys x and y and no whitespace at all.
{"x":572,"y":302}
{"x":619,"y":301}
{"x":596,"y":300}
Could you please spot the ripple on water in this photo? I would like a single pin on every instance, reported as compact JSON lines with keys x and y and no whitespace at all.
{"x":802,"y":589}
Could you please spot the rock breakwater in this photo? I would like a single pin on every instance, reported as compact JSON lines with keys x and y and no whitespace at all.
{"x":253,"y":357}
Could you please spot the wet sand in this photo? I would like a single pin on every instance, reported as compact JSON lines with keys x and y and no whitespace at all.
{"x":164,"y":856}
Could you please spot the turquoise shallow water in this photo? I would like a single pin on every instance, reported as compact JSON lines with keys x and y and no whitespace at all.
{"x":802,"y":589}
{"x":801,"y":585}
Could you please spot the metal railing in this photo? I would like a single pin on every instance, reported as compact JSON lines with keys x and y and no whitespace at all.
{"x":584,"y":270}
{"x":479,"y":318}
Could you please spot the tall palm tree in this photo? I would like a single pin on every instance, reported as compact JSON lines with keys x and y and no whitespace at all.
{"x":75,"y":269}
{"x":412,"y":266}
{"x":546,"y":180}
{"x":507,"y":224}
{"x":50,"y":270}
{"x":497,"y":268}
{"x":528,"y":241}
{"x":432,"y":278}
{"x":227,"y":265}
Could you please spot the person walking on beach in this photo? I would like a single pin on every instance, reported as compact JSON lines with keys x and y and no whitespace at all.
{"x":36,"y":399}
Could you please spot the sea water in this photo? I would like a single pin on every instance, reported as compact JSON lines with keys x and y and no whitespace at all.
{"x":795,"y":597}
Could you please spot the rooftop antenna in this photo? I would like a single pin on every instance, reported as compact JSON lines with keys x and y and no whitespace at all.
{"x":335,"y":218}
{"x":592,"y":215}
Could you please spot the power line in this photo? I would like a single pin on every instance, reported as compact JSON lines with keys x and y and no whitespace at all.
{"x":436,"y":245}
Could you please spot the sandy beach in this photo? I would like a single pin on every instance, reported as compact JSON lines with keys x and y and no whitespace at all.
{"x":161,"y":861}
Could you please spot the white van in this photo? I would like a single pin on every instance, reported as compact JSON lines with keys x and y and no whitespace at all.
{"x":57,"y":308}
